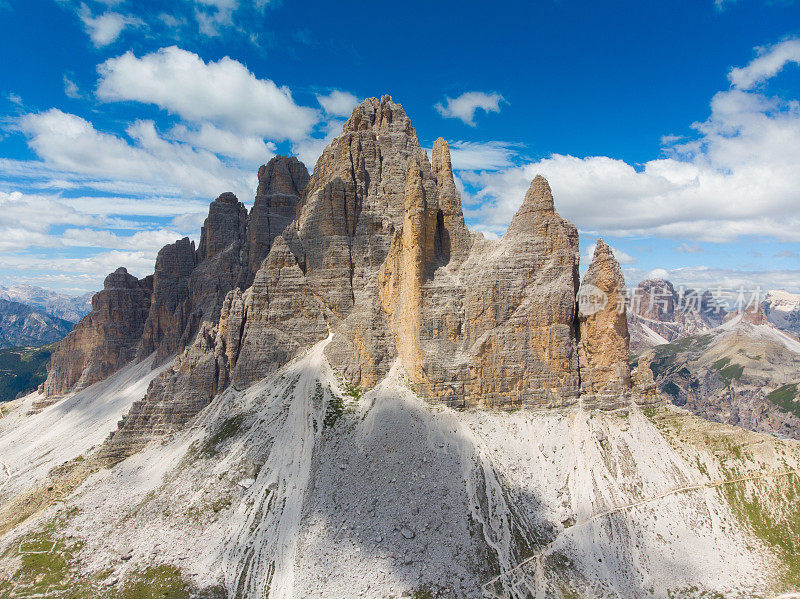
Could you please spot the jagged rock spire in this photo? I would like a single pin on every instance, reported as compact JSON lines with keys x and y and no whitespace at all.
{"x":458,"y":240}
{"x":604,"y":342}
{"x":537,"y":205}
{"x":281,"y":184}
{"x":226,"y":224}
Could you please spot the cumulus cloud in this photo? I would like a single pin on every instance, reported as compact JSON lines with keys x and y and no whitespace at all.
{"x":224,"y":93}
{"x":738,"y":176}
{"x":107,"y":27}
{"x":226,"y":143}
{"x":71,"y":143}
{"x":338,"y":103}
{"x":769,"y":63}
{"x":464,"y":106}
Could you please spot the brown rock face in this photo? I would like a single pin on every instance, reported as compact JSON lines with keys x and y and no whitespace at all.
{"x":353,"y":205}
{"x":105,"y":340}
{"x":604,"y":341}
{"x":173,"y":398}
{"x":498,"y":328}
{"x":280,"y":317}
{"x":375,"y":252}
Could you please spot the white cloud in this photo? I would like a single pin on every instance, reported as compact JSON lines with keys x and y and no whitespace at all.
{"x":739,"y":176}
{"x":338,"y":103}
{"x":464,"y":106}
{"x":69,"y":142}
{"x":769,"y":63}
{"x":487,"y":156}
{"x":724,"y":279}
{"x":71,"y":88}
{"x":245,"y":147}
{"x":88,"y":269}
{"x":106,"y":28}
{"x":224,"y":93}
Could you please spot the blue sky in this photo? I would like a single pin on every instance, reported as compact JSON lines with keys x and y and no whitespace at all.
{"x":671,"y":129}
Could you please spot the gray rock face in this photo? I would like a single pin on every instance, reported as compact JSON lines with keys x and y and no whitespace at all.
{"x":374,"y":251}
{"x":498,"y":328}
{"x":170,"y":306}
{"x":353,"y":205}
{"x":281,"y":183}
{"x":279,"y":317}
{"x":106,"y":339}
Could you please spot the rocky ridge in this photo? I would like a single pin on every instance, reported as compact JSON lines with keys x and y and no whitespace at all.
{"x":373,"y":250}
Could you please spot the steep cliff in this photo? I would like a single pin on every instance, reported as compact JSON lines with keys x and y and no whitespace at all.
{"x":604,"y":341}
{"x":375,"y":253}
{"x":105,"y":339}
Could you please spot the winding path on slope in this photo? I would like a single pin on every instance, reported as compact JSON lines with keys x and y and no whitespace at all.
{"x":488,"y":592}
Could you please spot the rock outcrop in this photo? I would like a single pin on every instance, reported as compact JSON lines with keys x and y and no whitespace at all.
{"x":281,"y":184}
{"x":170,"y":305}
{"x":498,"y":328}
{"x":373,"y":250}
{"x":106,"y":339}
{"x":604,"y":342}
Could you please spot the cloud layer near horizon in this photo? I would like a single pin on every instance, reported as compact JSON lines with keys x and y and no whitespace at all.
{"x":737,"y":175}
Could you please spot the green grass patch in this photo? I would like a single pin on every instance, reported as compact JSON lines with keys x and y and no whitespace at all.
{"x":731,"y":373}
{"x":786,"y":398}
{"x":721,"y":363}
{"x":333,"y":410}
{"x":778,"y":528}
{"x":228,"y":429}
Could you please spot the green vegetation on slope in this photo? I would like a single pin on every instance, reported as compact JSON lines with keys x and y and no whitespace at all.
{"x":22,"y":369}
{"x":786,"y":398}
{"x":776,"y":524}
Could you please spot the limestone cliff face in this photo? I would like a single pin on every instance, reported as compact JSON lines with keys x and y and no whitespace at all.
{"x":170,"y":306}
{"x":105,"y":339}
{"x":281,"y":184}
{"x":494,"y":329}
{"x":373,"y":250}
{"x":354,"y":203}
{"x":280,"y":317}
{"x":604,"y":341}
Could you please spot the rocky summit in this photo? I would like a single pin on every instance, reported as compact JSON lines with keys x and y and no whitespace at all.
{"x":372,"y":249}
{"x":344,"y":392}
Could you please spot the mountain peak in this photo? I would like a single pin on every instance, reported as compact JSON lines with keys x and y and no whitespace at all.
{"x":537,"y":205}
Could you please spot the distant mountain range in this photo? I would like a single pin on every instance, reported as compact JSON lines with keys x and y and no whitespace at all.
{"x":740,"y":368}
{"x":66,"y":307}
{"x":32,"y":316}
{"x":25,"y":326}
